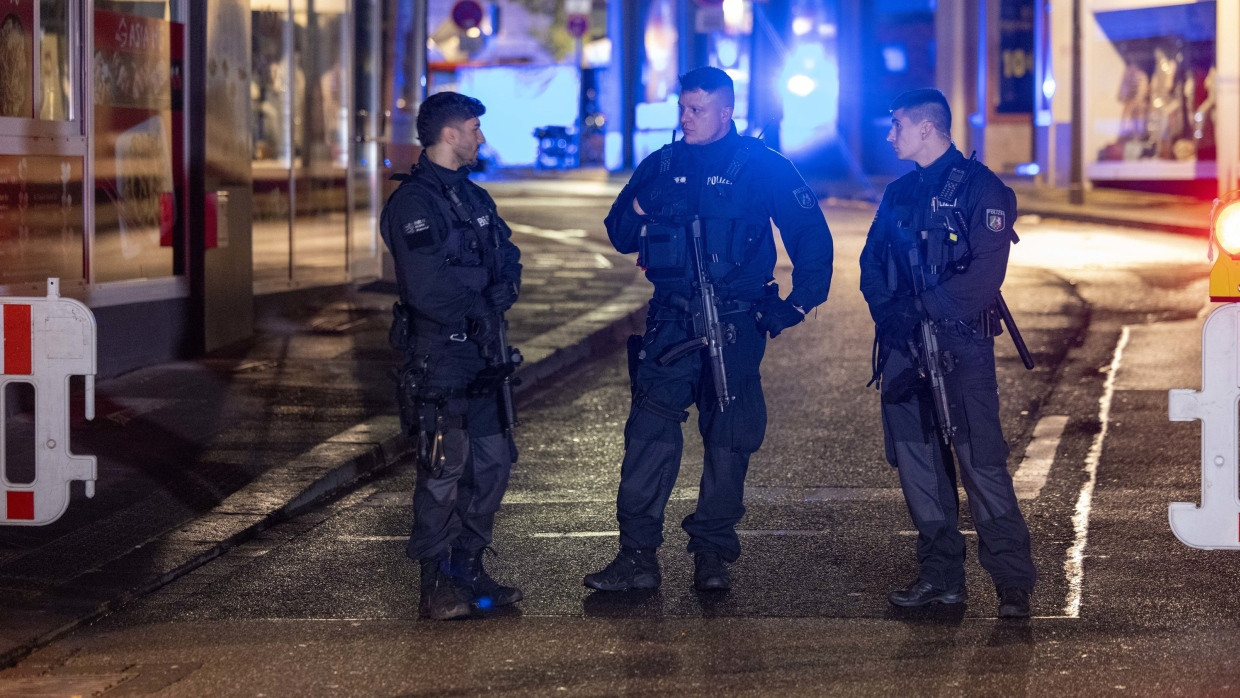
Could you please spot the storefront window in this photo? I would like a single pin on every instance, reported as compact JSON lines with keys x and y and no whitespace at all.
{"x":17,"y":57}
{"x":1153,"y":77}
{"x":55,"y":94}
{"x":137,"y":140}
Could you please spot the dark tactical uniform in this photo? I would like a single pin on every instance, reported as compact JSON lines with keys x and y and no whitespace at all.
{"x":737,"y":186}
{"x":963,"y":303}
{"x":442,"y":268}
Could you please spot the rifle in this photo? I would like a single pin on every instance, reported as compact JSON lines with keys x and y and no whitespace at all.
{"x":932,"y":363}
{"x":709,"y":333}
{"x":503,"y":359}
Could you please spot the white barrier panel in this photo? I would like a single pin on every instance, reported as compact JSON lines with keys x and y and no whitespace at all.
{"x":1216,"y":523}
{"x":44,"y":341}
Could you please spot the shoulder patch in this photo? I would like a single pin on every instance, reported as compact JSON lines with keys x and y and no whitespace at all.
{"x":996,"y":219}
{"x":805,"y":197}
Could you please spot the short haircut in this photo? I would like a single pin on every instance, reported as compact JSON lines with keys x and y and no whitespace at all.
{"x":445,"y":109}
{"x":709,"y":79}
{"x":926,"y":104}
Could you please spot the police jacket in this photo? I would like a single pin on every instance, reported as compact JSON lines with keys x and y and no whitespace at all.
{"x":964,"y":266}
{"x":442,"y":262}
{"x":737,"y":186}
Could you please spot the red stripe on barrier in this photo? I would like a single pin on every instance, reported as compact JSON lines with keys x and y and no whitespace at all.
{"x":16,"y":339}
{"x":20,"y":506}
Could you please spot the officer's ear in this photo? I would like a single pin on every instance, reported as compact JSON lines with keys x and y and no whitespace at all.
{"x":448,"y":134}
{"x":727,"y":112}
{"x":926,"y":129}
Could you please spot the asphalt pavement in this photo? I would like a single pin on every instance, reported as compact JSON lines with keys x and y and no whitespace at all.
{"x":197,"y":457}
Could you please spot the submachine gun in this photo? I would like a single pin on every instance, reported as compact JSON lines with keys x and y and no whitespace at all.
{"x":932,"y":363}
{"x":709,"y":333}
{"x":503,"y":359}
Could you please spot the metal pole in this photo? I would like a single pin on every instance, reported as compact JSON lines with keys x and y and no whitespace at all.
{"x":1076,"y":184}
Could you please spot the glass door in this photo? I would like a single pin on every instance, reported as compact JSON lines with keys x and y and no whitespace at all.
{"x":365,"y":188}
{"x":272,"y":100}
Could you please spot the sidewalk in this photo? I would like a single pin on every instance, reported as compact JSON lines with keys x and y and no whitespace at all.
{"x":198,"y":456}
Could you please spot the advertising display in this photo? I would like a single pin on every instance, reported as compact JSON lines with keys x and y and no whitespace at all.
{"x":137,"y":145}
{"x":1151,"y":75}
{"x":17,"y":57}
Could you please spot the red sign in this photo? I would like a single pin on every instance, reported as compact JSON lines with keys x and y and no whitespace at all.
{"x":578,"y":25}
{"x":467,"y":14}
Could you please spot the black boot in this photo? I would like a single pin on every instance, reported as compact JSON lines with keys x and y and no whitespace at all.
{"x":632,"y":569}
{"x":923,"y":593}
{"x":441,"y":598}
{"x":469,"y":574}
{"x":1013,"y":602}
{"x":710,"y":572}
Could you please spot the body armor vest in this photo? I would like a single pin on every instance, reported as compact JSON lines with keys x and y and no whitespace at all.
{"x":733,"y":229}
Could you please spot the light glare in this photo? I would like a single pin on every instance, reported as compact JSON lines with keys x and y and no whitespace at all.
{"x":1227,"y":228}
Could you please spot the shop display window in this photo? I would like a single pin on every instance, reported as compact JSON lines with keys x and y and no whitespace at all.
{"x":1150,"y":84}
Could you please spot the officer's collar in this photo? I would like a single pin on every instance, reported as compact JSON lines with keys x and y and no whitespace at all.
{"x":941,"y":165}
{"x":450,"y":177}
{"x":709,"y":152}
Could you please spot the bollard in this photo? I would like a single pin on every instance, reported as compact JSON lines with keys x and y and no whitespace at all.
{"x":43,"y":342}
{"x":1216,"y":523}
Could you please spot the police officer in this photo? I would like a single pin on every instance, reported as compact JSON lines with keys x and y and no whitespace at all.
{"x":735,"y":186}
{"x":458,"y":272}
{"x":953,"y":218}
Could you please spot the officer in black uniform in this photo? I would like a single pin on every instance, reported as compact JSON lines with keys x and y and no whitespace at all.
{"x":735,"y":186}
{"x":954,"y":216}
{"x":458,"y":272}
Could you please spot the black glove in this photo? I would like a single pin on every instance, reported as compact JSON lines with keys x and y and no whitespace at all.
{"x":500,"y":296}
{"x":775,"y":316}
{"x":896,"y":320}
{"x":484,"y":330}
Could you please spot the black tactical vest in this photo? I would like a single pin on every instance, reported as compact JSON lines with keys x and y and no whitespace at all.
{"x":733,"y":228}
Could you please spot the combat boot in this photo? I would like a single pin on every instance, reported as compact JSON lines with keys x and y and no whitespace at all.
{"x":922,"y":593}
{"x":710,"y":572}
{"x":632,"y":569}
{"x":1013,"y":602}
{"x":469,"y":574}
{"x":442,"y":599}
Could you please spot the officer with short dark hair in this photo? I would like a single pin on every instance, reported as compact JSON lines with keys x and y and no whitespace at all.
{"x":727,"y":188}
{"x":458,"y":272}
{"x":938,"y":250}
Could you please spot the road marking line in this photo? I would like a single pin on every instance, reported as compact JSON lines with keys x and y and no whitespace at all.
{"x":573,"y":237}
{"x":1074,"y":565}
{"x":1030,"y":476}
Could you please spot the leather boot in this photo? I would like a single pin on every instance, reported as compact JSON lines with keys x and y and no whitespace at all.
{"x":710,"y":572}
{"x":469,"y":574}
{"x":442,"y":599}
{"x":632,"y":569}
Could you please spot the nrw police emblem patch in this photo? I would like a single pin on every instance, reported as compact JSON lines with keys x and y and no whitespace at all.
{"x":805,"y":197}
{"x":996,"y":219}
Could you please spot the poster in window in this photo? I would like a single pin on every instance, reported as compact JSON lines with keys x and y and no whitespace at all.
{"x":17,"y":58}
{"x":135,"y":146}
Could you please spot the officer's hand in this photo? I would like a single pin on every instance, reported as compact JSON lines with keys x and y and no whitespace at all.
{"x":484,"y":330}
{"x":896,"y":320}
{"x":500,"y":296}
{"x":775,"y":316}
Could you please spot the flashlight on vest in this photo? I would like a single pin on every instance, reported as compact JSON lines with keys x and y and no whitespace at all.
{"x":1225,"y":234}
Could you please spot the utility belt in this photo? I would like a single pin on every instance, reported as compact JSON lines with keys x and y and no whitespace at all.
{"x":421,"y":334}
{"x":985,"y":324}
{"x":681,"y":306}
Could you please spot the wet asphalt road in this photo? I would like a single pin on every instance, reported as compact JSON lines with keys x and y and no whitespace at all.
{"x":327,"y":604}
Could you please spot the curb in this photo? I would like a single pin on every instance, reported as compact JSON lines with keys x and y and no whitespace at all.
{"x":290,"y":489}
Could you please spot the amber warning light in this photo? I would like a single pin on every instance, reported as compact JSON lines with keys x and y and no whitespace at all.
{"x":1225,"y":233}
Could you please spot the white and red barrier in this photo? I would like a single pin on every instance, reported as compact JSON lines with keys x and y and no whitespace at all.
{"x":1216,"y":523}
{"x":44,"y":341}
